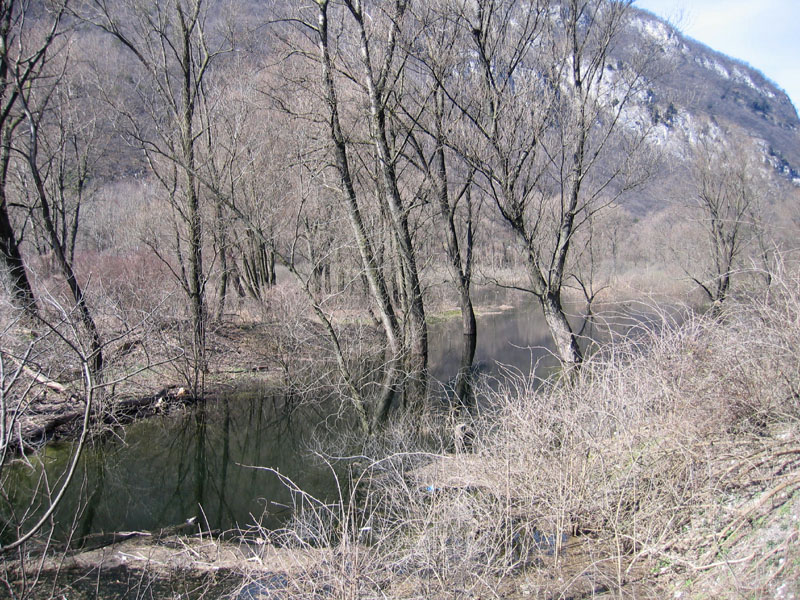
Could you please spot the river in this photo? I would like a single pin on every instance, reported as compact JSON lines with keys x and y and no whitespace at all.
{"x":202,"y":462}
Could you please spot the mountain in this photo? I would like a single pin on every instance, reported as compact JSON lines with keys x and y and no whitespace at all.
{"x":693,"y":89}
{"x":697,"y":88}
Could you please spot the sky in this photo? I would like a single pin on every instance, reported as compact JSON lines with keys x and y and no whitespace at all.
{"x":763,"y":33}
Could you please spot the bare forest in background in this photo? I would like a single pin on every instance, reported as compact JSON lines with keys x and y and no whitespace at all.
{"x":194,"y":188}
{"x":187,"y":163}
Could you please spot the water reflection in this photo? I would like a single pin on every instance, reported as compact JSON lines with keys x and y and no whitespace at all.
{"x":195,"y":464}
{"x":517,"y":338}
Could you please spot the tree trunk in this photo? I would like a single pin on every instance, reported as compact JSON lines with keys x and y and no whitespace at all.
{"x":418,"y":328}
{"x":271,"y":275}
{"x":196,"y":284}
{"x":21,"y":291}
{"x":372,"y":272}
{"x":564,"y":338}
{"x":95,"y":360}
{"x":222,"y":287}
{"x":470,"y":341}
{"x":462,"y":267}
{"x":389,"y":384}
{"x":222,"y":250}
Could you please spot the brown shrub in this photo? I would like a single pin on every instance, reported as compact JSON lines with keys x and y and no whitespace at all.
{"x":649,"y":468}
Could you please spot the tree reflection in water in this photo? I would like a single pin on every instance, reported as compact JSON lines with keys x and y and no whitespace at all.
{"x":195,"y":463}
{"x":160,"y":472}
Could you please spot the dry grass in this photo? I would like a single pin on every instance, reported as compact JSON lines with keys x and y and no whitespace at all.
{"x":668,"y":466}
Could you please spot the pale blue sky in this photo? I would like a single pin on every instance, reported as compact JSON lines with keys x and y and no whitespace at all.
{"x":763,"y":33}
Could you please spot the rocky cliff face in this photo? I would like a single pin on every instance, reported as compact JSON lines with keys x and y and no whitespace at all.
{"x":697,"y":89}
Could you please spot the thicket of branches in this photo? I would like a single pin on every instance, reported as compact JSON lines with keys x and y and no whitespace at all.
{"x":373,"y":153}
{"x":322,"y":177}
{"x":669,"y":464}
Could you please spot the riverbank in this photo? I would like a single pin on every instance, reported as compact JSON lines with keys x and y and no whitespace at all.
{"x":669,"y":466}
{"x":149,"y":371}
{"x":474,"y":537}
{"x":242,"y":351}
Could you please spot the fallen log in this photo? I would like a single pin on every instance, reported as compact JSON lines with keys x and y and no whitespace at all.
{"x":39,"y":377}
{"x":37,"y":429}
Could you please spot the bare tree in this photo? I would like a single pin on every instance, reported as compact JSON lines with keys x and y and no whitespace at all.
{"x":372,"y":269}
{"x":432,"y":47}
{"x":550,"y":133}
{"x":380,"y":72}
{"x":74,"y":139}
{"x":729,"y":193}
{"x":24,"y":46}
{"x":46,"y":174}
{"x":171,"y":44}
{"x":245,"y":174}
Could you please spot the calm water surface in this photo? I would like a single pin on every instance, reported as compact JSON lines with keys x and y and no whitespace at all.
{"x":198,"y":463}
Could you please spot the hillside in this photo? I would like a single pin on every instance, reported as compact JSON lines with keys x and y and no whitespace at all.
{"x":695,"y":89}
{"x":690,"y":89}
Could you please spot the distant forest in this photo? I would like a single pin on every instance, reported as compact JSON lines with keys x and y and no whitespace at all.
{"x":173,"y":168}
